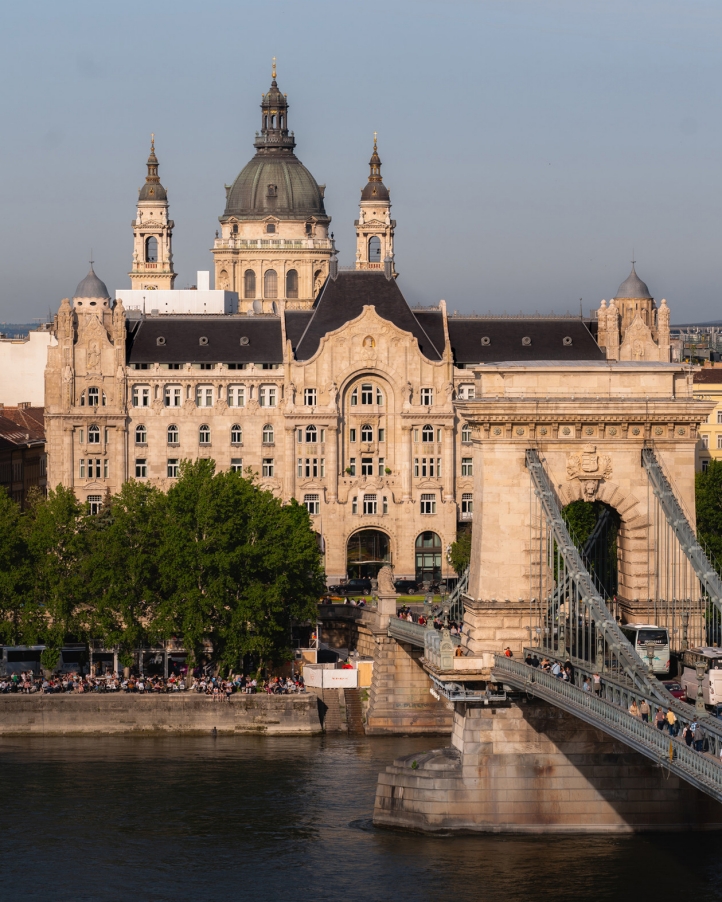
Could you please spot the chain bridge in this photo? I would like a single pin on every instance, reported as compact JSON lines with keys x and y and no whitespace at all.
{"x":531,"y":751}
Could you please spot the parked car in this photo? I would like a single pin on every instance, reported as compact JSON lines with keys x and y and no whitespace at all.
{"x":407,"y":586}
{"x":352,"y":587}
{"x":674,"y":688}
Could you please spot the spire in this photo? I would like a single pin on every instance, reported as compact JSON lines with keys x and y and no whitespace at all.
{"x":152,"y":190}
{"x":375,"y":163}
{"x":375,"y":189}
{"x":274,"y":136}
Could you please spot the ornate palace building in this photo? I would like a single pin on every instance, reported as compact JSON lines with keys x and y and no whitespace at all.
{"x":324,"y":382}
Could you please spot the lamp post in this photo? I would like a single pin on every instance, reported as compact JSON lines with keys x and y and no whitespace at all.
{"x":699,"y":703}
{"x":650,"y":656}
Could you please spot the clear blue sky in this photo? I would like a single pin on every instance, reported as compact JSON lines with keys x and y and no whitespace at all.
{"x":529,"y":146}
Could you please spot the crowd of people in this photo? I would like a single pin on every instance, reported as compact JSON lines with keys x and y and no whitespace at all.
{"x":406,"y":613}
{"x":214,"y":687}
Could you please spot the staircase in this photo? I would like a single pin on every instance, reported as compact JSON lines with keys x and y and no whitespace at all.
{"x":354,"y":715}
{"x":330,"y":709}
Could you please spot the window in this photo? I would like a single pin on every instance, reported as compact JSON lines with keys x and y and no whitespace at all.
{"x":467,"y":466}
{"x":309,"y":467}
{"x":385,"y":507}
{"x":439,"y":435}
{"x":427,"y":434}
{"x":367,"y":434}
{"x":204,"y":396}
{"x":171,"y":366}
{"x":236,"y":434}
{"x":705,"y":466}
{"x":352,"y":467}
{"x":206,"y":366}
{"x":379,"y":397}
{"x":151,"y":250}
{"x":94,"y":435}
{"x":249,"y":284}
{"x":268,"y":434}
{"x":270,"y":284}
{"x":467,"y":506}
{"x":354,"y":505}
{"x":705,"y":441}
{"x":140,"y":435}
{"x":237,"y":464}
{"x":95,"y":502}
{"x":172,"y":395}
{"x":354,"y":397}
{"x":351,"y":435}
{"x":105,"y":468}
{"x":427,"y":396}
{"x":466,"y":433}
{"x":93,"y":397}
{"x":267,"y":396}
{"x":416,"y":436}
{"x":172,"y":469}
{"x":81,"y":436}
{"x":427,"y":466}
{"x":428,"y":504}
{"x":299,"y":436}
{"x":367,"y":394}
{"x":236,"y":396}
{"x":299,"y":464}
{"x":141,"y":468}
{"x":374,"y":250}
{"x":311,"y":434}
{"x":81,"y":468}
{"x":291,"y":284}
{"x":106,"y":435}
{"x":382,"y":435}
{"x":141,"y":396}
{"x":466,"y":391}
{"x":309,"y":397}
{"x":270,"y":226}
{"x":322,"y":437}
{"x":268,"y":466}
{"x":370,"y":504}
{"x":367,"y":466}
{"x":172,"y":434}
{"x":382,"y":466}
{"x":204,"y":435}
{"x":312,"y":504}
{"x":719,"y":441}
{"x":719,"y":416}
{"x":237,"y":366}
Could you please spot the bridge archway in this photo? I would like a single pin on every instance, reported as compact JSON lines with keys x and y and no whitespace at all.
{"x":367,"y":551}
{"x":594,"y":526}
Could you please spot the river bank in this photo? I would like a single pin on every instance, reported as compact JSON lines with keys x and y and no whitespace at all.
{"x":179,"y":712}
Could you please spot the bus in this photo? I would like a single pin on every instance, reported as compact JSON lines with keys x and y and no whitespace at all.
{"x":639,"y":634}
{"x":20,"y":658}
{"x":712,"y":683}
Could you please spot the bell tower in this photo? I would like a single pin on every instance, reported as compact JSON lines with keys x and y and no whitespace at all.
{"x":152,"y":233}
{"x":374,"y":227}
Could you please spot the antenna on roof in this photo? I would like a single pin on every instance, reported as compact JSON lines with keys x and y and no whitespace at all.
{"x":581,"y":314}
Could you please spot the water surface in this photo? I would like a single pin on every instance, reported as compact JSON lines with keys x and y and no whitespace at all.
{"x":253,"y":818}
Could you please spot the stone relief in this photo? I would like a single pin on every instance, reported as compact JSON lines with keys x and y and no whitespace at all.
{"x":589,"y":468}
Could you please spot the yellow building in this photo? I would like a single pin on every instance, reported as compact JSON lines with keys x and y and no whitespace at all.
{"x":708,"y":386}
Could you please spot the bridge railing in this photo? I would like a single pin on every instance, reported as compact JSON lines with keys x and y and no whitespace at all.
{"x":456,"y":598}
{"x":698,"y":768}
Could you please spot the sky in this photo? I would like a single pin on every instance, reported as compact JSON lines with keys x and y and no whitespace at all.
{"x":531,"y":148}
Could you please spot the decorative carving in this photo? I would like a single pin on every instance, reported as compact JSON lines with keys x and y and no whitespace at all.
{"x":589,"y":468}
{"x":386,"y":581}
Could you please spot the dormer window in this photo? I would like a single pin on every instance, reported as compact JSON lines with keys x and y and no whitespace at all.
{"x":272,"y":191}
{"x":270,"y":228}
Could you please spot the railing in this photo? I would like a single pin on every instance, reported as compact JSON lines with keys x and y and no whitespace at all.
{"x":404,"y":631}
{"x":249,"y":243}
{"x":439,"y":648}
{"x":697,"y":768}
{"x":455,"y":600}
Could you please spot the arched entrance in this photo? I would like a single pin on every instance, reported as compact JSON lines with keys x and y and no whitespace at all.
{"x":366,"y":553}
{"x":594,"y":527}
{"x":428,"y":557}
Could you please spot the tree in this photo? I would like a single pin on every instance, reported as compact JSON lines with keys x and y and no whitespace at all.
{"x":14,"y":572}
{"x":460,"y":555}
{"x":708,"y":497}
{"x":122,"y":566}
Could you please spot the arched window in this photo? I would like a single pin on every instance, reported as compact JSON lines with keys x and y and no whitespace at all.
{"x":140,"y":435}
{"x":173,"y":434}
{"x":268,"y":434}
{"x":428,"y":557}
{"x":311,"y":434}
{"x":249,"y":284}
{"x":151,"y":249}
{"x":270,"y":284}
{"x":291,"y":284}
{"x":204,"y":435}
{"x":427,"y":434}
{"x":236,"y":434}
{"x":466,"y":433}
{"x":374,"y":250}
{"x":367,"y":434}
{"x":94,"y":435}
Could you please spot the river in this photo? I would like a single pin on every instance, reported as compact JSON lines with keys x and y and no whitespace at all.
{"x":251,"y":818}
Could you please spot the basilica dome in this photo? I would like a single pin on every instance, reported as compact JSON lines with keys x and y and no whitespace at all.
{"x":274,"y":185}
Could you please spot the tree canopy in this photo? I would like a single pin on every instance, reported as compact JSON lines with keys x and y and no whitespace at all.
{"x":708,"y":498}
{"x":216,"y":561}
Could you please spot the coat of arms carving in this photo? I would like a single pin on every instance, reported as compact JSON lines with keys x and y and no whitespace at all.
{"x":589,"y":468}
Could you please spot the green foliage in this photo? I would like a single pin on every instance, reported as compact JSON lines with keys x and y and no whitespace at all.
{"x":581,"y":518}
{"x":708,"y":497}
{"x":49,"y":657}
{"x":460,"y":554}
{"x":14,"y":571}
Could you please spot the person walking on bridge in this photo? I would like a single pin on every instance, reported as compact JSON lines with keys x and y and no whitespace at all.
{"x":644,"y":710}
{"x":672,"y":722}
{"x":634,"y":710}
{"x":660,"y":719}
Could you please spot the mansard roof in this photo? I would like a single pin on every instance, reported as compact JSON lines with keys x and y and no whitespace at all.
{"x":206,"y":339}
{"x":477,"y":340}
{"x":296,"y":322}
{"x":342,"y":299}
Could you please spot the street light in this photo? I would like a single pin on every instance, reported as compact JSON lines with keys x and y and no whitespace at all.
{"x":699,"y":707}
{"x":650,"y":656}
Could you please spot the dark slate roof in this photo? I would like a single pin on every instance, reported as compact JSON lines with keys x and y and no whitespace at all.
{"x":343,"y":299}
{"x":296,"y":322}
{"x":709,"y":376}
{"x":91,"y":287}
{"x":506,"y":340}
{"x":432,"y":322}
{"x":633,"y":287}
{"x":182,"y":340}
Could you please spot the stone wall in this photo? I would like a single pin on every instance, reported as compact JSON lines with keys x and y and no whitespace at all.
{"x":532,"y":768}
{"x":176,"y":713}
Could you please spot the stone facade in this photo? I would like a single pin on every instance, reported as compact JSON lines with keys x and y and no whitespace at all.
{"x":152,"y":234}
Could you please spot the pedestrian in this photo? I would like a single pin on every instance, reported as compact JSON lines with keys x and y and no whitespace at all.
{"x":585,"y":685}
{"x":534,"y":661}
{"x":699,"y":737}
{"x":597,"y":684}
{"x":660,"y":719}
{"x":556,"y":669}
{"x":508,"y":652}
{"x":634,"y":710}
{"x":644,"y":710}
{"x":672,"y":723}
{"x":687,"y":735}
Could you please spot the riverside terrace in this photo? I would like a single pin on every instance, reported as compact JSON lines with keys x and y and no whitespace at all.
{"x":218,"y":689}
